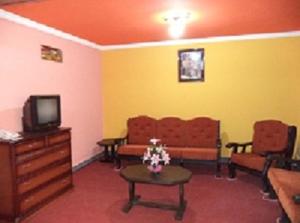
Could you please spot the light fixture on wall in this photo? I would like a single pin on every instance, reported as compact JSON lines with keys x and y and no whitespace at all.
{"x":177,"y":21}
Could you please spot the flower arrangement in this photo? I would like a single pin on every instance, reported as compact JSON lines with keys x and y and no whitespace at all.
{"x":155,"y":156}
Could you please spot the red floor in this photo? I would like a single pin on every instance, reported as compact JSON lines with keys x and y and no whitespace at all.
{"x":100,"y":193}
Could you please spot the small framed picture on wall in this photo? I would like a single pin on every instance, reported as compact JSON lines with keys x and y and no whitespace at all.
{"x":50,"y":53}
{"x":191,"y":65}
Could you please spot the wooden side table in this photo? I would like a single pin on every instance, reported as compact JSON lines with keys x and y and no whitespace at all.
{"x":109,"y":144}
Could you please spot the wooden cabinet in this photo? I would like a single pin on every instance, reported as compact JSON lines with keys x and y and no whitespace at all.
{"x":33,"y":171}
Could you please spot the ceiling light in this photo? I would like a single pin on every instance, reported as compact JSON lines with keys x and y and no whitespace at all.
{"x":177,"y":22}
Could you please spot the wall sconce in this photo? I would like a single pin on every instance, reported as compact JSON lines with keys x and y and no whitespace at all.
{"x":177,"y":22}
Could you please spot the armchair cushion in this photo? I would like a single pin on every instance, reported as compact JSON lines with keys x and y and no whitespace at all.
{"x":249,"y":160}
{"x":270,"y":136}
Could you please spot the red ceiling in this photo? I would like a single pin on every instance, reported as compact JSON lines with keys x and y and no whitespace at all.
{"x":108,"y":22}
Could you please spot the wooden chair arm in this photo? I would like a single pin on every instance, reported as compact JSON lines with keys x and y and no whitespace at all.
{"x":234,"y":146}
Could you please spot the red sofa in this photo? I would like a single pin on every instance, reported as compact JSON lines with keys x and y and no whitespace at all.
{"x":195,"y":139}
{"x":285,"y":184}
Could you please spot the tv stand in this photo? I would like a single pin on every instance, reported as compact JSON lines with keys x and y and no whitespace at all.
{"x":34,"y":170}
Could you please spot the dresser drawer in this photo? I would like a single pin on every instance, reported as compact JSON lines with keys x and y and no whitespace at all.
{"x":30,"y":145}
{"x":61,"y":137}
{"x":45,"y":193}
{"x":43,"y":177}
{"x":45,"y":160}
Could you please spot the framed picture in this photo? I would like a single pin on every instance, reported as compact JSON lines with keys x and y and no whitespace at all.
{"x":50,"y":53}
{"x":191,"y":65}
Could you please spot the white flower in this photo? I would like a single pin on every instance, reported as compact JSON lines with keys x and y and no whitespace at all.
{"x":155,"y":159}
{"x":156,"y":154}
{"x":166,"y":158}
{"x":154,"y":141}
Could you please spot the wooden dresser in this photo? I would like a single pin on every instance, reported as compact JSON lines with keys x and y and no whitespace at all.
{"x":33,"y":171}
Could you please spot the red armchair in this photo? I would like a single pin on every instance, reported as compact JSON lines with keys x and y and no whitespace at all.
{"x":270,"y":137}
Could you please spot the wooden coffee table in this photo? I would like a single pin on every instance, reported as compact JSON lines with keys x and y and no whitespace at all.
{"x":170,"y":176}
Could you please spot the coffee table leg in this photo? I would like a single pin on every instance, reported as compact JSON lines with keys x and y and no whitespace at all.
{"x":132,"y":197}
{"x":182,"y":203}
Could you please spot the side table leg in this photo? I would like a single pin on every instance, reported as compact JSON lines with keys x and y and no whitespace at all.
{"x":113,"y":156}
{"x":132,"y":197}
{"x":106,"y":155}
{"x":182,"y":203}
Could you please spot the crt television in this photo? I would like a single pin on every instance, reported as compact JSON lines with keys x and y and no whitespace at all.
{"x":41,"y":113}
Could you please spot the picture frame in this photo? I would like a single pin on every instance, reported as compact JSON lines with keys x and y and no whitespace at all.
{"x":50,"y":53}
{"x":191,"y":65}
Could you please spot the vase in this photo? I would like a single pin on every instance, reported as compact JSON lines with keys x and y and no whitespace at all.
{"x":155,"y":169}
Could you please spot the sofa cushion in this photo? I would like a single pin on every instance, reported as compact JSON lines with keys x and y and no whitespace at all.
{"x":175,"y":152}
{"x":250,"y":160}
{"x":287,"y":184}
{"x":291,"y":209}
{"x":202,"y":132}
{"x":141,"y":129}
{"x":274,"y":175}
{"x":171,"y":131}
{"x":200,"y":153}
{"x":270,"y":135}
{"x":130,"y":149}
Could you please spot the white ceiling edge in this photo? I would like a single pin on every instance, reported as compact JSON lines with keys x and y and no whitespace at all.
{"x":47,"y":29}
{"x":204,"y":40}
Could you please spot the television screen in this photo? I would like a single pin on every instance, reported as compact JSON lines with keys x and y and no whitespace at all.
{"x":47,"y":110}
{"x":41,"y":113}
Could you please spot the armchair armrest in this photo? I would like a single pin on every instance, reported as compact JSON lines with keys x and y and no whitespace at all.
{"x":296,"y":198}
{"x":234,"y":146}
{"x":283,"y":162}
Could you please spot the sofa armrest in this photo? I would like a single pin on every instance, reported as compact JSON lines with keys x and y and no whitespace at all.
{"x":219,"y":143}
{"x":235,"y":146}
{"x":121,"y":140}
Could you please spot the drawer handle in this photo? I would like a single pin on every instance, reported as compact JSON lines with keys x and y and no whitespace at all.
{"x":29,"y":199}
{"x":64,"y":181}
{"x":62,"y":152}
{"x":30,"y":146}
{"x":27,"y":183}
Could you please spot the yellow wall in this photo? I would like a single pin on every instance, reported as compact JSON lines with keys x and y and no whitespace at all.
{"x":245,"y":81}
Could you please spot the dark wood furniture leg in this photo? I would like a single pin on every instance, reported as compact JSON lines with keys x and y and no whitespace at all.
{"x":134,"y":200}
{"x":132,"y":197}
{"x":182,"y":203}
{"x":109,"y":144}
{"x":106,"y":155}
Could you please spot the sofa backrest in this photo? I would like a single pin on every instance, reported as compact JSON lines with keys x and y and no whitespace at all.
{"x":270,"y":135}
{"x":173,"y":131}
{"x":202,"y":132}
{"x":141,"y":129}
